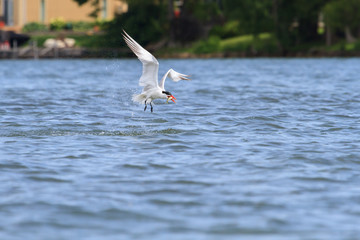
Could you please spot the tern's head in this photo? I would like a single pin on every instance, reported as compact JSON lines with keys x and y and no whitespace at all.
{"x":169,"y":96}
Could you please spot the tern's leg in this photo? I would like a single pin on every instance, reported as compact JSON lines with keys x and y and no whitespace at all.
{"x":145,"y":106}
{"x":151,"y":107}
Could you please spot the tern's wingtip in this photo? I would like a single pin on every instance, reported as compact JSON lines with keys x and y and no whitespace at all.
{"x":125,"y":34}
{"x":186,"y":77}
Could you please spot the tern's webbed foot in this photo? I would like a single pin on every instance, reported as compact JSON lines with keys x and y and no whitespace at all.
{"x":151,"y":107}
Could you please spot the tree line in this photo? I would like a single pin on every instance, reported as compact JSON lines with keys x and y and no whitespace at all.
{"x":180,"y":22}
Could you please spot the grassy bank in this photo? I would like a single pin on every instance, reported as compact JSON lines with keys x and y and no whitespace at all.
{"x":264,"y":44}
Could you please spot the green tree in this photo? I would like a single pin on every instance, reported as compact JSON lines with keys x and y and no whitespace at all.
{"x":254,"y":16}
{"x":145,"y":21}
{"x":195,"y":20}
{"x":94,"y":3}
{"x":151,"y":20}
{"x":296,"y":22}
{"x":343,"y":16}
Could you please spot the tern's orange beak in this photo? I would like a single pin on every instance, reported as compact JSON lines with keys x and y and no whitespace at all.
{"x":172,"y":98}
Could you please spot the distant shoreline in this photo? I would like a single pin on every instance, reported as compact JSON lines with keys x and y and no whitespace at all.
{"x":259,"y":55}
{"x":79,"y":53}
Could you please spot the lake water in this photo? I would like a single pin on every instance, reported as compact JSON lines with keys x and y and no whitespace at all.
{"x":253,"y":149}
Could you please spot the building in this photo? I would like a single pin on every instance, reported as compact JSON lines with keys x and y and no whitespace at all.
{"x":14,"y":14}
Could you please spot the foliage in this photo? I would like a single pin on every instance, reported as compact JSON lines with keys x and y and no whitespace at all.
{"x":195,"y":20}
{"x":292,"y":25}
{"x":204,"y":11}
{"x":96,"y":9}
{"x":88,"y":41}
{"x":207,"y":46}
{"x":254,"y":16}
{"x":81,"y":2}
{"x":227,"y":30}
{"x":344,"y":46}
{"x":101,"y":23}
{"x":145,"y":22}
{"x":295,"y":22}
{"x":81,"y":25}
{"x":264,"y":42}
{"x":34,"y":27}
{"x":57,"y":23}
{"x":94,"y":3}
{"x":342,"y":13}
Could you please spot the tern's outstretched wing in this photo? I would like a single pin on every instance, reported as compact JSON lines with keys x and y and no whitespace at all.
{"x":149,"y":77}
{"x":175,"y":76}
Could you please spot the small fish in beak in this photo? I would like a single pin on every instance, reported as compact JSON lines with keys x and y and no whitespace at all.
{"x":172,"y":98}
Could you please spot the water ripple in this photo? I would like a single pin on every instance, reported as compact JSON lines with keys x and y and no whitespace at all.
{"x":253,"y":148}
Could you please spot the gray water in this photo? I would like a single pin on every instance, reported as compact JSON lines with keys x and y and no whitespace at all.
{"x":253,"y":149}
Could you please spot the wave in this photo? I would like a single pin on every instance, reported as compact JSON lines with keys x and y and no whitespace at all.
{"x":59,"y":133}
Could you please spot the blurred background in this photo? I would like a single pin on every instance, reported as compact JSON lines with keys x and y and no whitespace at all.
{"x":263,"y":148}
{"x":186,"y":28}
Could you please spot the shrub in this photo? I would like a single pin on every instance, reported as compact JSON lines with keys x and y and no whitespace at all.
{"x":82,"y":26}
{"x":57,"y":24}
{"x":144,"y":22}
{"x":209,"y":46}
{"x":357,"y":46}
{"x":265,"y":43}
{"x":228,"y":30}
{"x":34,"y":26}
{"x":101,"y":23}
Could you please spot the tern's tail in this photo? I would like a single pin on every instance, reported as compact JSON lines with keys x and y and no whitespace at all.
{"x":139,"y":98}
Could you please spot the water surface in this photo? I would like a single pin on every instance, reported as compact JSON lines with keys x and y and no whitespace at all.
{"x":253,"y":148}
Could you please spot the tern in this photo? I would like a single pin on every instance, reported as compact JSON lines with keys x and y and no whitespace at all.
{"x":149,"y":79}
